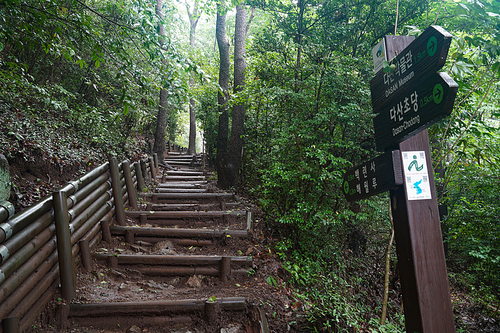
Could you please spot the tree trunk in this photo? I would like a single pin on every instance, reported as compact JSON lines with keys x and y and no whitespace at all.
{"x":238,"y":119}
{"x":222,"y":136}
{"x":300,"y":31}
{"x":161,"y":124}
{"x":192,"y":125}
{"x":161,"y":119}
{"x":193,"y":21}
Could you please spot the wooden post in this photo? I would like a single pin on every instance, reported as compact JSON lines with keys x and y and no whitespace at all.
{"x":132,"y":194}
{"x":113,"y":262}
{"x":225,"y":269}
{"x":144,"y":171}
{"x":62,"y":314}
{"x":155,"y":158}
{"x":140,"y":178}
{"x":85,"y":254}
{"x":212,"y":314}
{"x":129,"y":236}
{"x":249,"y":221}
{"x":419,"y":246}
{"x":64,"y":255}
{"x":117,"y":191}
{"x":11,"y":325}
{"x":153,"y":168}
{"x":106,"y":233}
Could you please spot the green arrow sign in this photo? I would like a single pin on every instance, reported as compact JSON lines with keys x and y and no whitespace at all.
{"x":418,"y":106}
{"x":373,"y":177}
{"x":424,"y":56}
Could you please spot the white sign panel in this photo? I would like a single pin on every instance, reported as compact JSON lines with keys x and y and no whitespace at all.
{"x":378,"y":53}
{"x":416,"y":175}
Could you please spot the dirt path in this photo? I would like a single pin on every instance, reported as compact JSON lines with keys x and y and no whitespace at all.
{"x":191,"y":259}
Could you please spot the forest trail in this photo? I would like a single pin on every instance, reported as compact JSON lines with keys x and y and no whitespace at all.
{"x":188,"y":260}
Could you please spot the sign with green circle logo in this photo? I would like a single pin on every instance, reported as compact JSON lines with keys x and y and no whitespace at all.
{"x":432,"y":46}
{"x":438,"y":93}
{"x":346,"y":187}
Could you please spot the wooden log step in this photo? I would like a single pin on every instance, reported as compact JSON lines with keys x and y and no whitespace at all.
{"x":167,"y":178}
{"x":151,"y":320}
{"x":151,"y":308}
{"x":173,"y":260}
{"x":218,"y":196}
{"x":176,"y":241}
{"x":183,"y":214}
{"x":180,"y":185}
{"x":177,"y":232}
{"x":193,"y":206}
{"x":175,"y":223}
{"x":181,"y":190}
{"x":187,"y":271}
{"x":186,"y":183}
{"x":174,"y":156}
{"x":184,"y":173}
{"x":180,"y":206}
{"x":178,"y":162}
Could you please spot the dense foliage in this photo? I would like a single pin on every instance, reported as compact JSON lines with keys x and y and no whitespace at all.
{"x":75,"y":73}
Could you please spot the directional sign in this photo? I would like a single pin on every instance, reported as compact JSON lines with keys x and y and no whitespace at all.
{"x":425,"y":55}
{"x":373,"y":177}
{"x":418,"y":107}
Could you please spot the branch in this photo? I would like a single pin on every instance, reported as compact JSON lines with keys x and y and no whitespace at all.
{"x":437,"y":14}
{"x":387,"y":267}
{"x":250,"y":19}
{"x":104,"y":17}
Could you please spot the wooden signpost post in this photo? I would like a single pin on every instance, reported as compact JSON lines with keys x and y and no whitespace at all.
{"x":406,"y":108}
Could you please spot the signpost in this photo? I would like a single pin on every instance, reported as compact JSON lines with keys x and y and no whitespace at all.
{"x":425,"y":55}
{"x":409,"y":100}
{"x":414,"y":108}
{"x":373,"y":177}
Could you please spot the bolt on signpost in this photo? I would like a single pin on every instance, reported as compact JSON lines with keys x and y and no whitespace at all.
{"x":407,"y":101}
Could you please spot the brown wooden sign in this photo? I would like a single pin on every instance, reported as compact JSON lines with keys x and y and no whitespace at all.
{"x":416,"y":108}
{"x":406,"y":109}
{"x":373,"y":177}
{"x":425,"y":55}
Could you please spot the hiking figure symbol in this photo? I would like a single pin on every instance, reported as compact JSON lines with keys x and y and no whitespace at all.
{"x":414,"y":163}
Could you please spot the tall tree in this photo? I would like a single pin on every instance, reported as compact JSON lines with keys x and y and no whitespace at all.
{"x":238,"y":117}
{"x":222,"y":95}
{"x":161,"y":119}
{"x":194,"y":16}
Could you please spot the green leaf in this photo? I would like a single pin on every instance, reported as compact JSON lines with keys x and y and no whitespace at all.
{"x":413,"y":30}
{"x":461,"y":9}
{"x":272,"y":281}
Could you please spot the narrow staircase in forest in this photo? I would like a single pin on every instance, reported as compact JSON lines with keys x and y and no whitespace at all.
{"x":182,"y":263}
